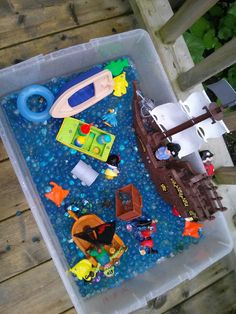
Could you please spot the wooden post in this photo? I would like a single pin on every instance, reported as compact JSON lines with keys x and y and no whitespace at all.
{"x":225,"y":175}
{"x":153,"y":14}
{"x":188,"y":13}
{"x":230,"y":120}
{"x":215,"y":63}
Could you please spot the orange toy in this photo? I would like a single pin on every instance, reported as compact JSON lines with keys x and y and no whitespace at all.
{"x":57,"y":194}
{"x":191,"y":229}
{"x":90,"y":221}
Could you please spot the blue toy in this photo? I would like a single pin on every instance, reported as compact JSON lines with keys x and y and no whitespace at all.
{"x":24,"y":109}
{"x":103,"y":139}
{"x":110,"y":117}
{"x":84,"y":94}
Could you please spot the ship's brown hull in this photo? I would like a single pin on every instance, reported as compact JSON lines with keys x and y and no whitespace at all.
{"x":192,"y":194}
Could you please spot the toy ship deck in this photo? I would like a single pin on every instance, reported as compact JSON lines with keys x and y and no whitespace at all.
{"x":193,"y":194}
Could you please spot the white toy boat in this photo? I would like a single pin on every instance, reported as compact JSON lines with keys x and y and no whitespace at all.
{"x":82,"y":92}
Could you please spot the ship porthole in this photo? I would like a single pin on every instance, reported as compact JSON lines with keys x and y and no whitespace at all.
{"x":186,"y":108}
{"x":201,"y":132}
{"x":154,"y":116}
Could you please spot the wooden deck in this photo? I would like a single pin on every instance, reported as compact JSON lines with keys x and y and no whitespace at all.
{"x":29,"y":280}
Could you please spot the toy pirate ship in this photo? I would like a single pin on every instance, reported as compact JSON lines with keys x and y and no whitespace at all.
{"x":193,"y":194}
{"x":90,"y":231}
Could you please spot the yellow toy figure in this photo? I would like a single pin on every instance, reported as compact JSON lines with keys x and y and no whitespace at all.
{"x":112,"y":170}
{"x":84,"y":270}
{"x":120,"y":87}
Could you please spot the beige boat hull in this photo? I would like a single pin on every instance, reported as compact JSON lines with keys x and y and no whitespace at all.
{"x":103,"y":86}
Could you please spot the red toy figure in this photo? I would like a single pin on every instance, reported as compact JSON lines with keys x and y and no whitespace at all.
{"x":142,"y":229}
{"x":175,"y":211}
{"x":207,"y":158}
{"x":210,"y":169}
{"x":146,"y":241}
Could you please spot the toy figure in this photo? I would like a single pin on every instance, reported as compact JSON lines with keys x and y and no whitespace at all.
{"x":120,"y":87}
{"x":103,"y":139}
{"x":83,"y":131}
{"x":100,"y":254}
{"x":110,"y":117}
{"x":142,"y":229}
{"x":175,"y":212}
{"x":106,"y":260}
{"x":207,"y":158}
{"x":84,"y":270}
{"x":112,"y":170}
{"x":165,"y":152}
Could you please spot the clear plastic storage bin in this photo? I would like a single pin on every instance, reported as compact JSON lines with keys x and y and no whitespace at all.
{"x":135,"y":293}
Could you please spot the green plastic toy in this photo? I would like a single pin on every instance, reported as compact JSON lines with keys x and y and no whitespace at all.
{"x":70,"y":132}
{"x":116,"y":67}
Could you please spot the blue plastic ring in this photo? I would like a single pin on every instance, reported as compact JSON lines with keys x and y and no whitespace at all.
{"x":24,"y":109}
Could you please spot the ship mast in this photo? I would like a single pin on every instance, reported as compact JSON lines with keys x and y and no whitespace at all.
{"x":214,"y":112}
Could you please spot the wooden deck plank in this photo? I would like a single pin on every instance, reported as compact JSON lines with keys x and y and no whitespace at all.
{"x":6,"y":8}
{"x":37,"y":291}
{"x":19,"y":5}
{"x":188,"y":288}
{"x":3,"y":153}
{"x":70,"y":311}
{"x":66,"y":39}
{"x":225,"y":175}
{"x":191,"y":287}
{"x":11,"y":195}
{"x":21,"y":245}
{"x":219,"y":298}
{"x":34,"y":23}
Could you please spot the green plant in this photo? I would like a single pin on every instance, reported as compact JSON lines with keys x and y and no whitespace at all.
{"x":212,"y":31}
{"x":231,"y":76}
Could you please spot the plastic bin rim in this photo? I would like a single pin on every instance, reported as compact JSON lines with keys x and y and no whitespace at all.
{"x":90,"y":44}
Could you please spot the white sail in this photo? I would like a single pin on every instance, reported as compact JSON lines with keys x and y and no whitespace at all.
{"x":170,"y":115}
{"x":193,"y":106}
